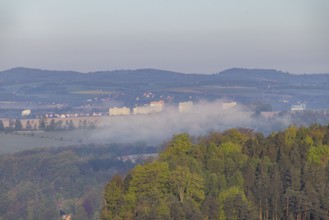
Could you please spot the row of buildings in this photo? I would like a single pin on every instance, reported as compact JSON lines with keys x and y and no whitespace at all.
{"x":153,"y":107}
{"x":158,"y":106}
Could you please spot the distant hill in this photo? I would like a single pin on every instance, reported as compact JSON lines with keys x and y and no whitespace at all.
{"x":253,"y":74}
{"x":270,"y":75}
{"x":242,"y":85}
{"x":21,"y":75}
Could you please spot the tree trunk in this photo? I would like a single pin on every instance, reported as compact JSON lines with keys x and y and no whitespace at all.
{"x":260,"y":212}
{"x":287,"y":207}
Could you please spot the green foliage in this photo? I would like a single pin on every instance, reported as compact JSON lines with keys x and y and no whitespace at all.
{"x":234,"y":136}
{"x":187,"y":185}
{"x":150,"y":180}
{"x":318,"y":155}
{"x":36,"y":184}
{"x":180,"y":144}
{"x":290,"y":135}
{"x":228,"y":201}
{"x":234,"y":175}
{"x":229,"y":148}
{"x":113,"y":196}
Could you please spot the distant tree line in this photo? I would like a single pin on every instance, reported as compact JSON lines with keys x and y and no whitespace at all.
{"x":236,"y":174}
{"x":44,"y":125}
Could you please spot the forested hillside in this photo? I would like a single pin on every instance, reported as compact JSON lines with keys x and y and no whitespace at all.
{"x":39,"y":183}
{"x":237,"y":174}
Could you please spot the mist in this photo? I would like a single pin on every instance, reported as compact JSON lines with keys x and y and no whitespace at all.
{"x":204,"y":117}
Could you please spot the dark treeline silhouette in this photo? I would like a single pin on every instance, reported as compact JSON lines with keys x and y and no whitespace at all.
{"x":45,"y":124}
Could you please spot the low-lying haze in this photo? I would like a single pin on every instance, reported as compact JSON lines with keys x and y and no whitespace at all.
{"x":157,"y":128}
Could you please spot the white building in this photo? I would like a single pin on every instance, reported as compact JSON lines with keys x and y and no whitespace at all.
{"x":119,"y":111}
{"x":228,"y":105}
{"x":158,"y":106}
{"x":299,"y":107}
{"x":153,"y":107}
{"x":144,"y":110}
{"x":26,"y":112}
{"x":184,"y":107}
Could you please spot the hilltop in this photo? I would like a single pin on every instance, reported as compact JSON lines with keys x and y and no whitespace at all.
{"x":103,"y":89}
{"x":237,"y":174}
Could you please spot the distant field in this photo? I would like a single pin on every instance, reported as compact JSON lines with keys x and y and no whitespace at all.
{"x":231,"y":90}
{"x":7,"y":102}
{"x":92,"y":92}
{"x":14,"y":142}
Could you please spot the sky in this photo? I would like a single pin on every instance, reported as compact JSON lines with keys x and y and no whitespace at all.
{"x":190,"y":36}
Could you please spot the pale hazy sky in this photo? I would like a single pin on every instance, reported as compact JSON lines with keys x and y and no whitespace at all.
{"x":191,"y":36}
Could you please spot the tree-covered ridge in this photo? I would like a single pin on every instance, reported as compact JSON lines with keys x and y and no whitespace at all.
{"x":38,"y":184}
{"x":236,"y":174}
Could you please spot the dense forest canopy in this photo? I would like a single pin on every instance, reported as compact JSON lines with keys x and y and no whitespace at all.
{"x":42,"y":183}
{"x":236,"y":174}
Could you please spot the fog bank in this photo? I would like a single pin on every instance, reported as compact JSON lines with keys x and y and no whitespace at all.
{"x":203,"y":118}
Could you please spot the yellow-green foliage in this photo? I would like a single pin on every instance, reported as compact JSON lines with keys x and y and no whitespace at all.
{"x":180,"y":144}
{"x":229,"y":148}
{"x":231,"y":153}
{"x":113,"y":193}
{"x":318,"y":155}
{"x":234,"y":136}
{"x":186,"y":184}
{"x":233,"y":176}
{"x":309,"y":140}
{"x":231,"y":192}
{"x":150,"y":179}
{"x":290,"y":135}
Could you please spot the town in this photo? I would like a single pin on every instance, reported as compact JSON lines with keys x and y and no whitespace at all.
{"x":55,"y":121}
{"x":68,"y":121}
